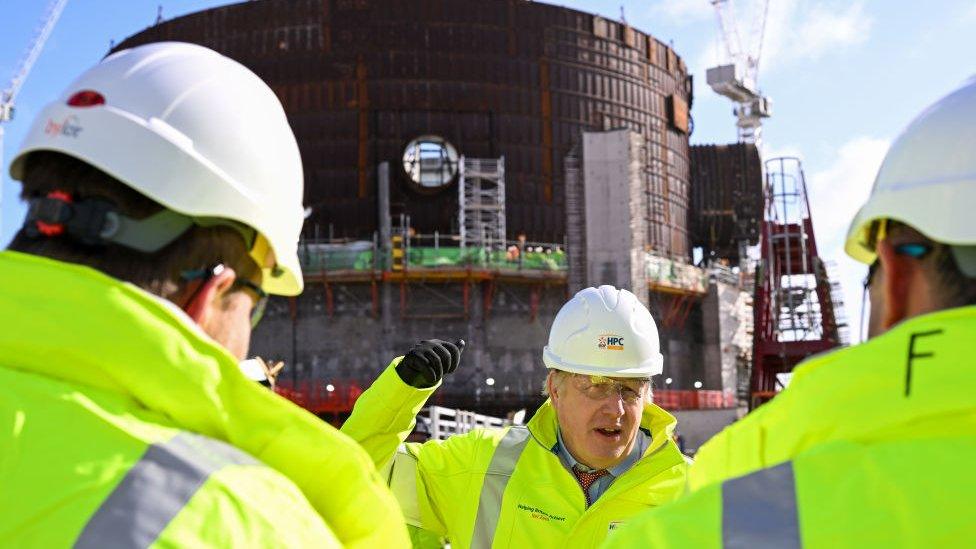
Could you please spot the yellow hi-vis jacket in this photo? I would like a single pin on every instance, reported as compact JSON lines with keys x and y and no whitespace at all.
{"x":506,"y":487}
{"x":123,"y":425}
{"x":870,"y":446}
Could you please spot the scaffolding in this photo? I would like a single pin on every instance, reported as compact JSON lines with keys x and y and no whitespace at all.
{"x":837,"y":298}
{"x":481,"y":203}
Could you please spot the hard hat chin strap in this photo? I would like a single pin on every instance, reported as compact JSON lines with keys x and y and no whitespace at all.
{"x":96,"y":222}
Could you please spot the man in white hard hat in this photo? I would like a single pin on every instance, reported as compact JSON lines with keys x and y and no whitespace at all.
{"x":873,"y":445}
{"x":165,"y":192}
{"x":595,"y":454}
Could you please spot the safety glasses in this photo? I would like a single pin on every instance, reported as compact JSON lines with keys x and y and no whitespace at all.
{"x":915,"y":250}
{"x":601,"y":387}
{"x":876,"y":232}
{"x":259,"y":296}
{"x":260,"y":299}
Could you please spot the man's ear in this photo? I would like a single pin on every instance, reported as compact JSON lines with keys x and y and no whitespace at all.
{"x":205,"y":298}
{"x":551,"y":386}
{"x":896,"y":275}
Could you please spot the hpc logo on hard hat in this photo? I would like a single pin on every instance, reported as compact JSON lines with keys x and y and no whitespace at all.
{"x":610,"y":342}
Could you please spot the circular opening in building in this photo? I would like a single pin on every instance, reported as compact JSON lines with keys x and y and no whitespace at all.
{"x":430,"y":161}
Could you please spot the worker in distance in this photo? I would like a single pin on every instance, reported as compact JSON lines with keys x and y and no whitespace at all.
{"x":165,"y":204}
{"x":595,"y":454}
{"x":872,"y":445}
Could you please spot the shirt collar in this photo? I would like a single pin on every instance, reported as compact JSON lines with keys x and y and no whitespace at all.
{"x":640,"y":446}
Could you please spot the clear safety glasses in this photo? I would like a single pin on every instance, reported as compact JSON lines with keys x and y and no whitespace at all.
{"x":601,"y":387}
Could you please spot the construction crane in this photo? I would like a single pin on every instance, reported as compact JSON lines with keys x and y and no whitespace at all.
{"x":797,"y":310}
{"x":9,"y":94}
{"x":739,"y":78}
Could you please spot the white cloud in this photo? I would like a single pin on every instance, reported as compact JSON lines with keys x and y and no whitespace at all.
{"x":836,"y":193}
{"x":970,"y":13}
{"x":683,"y":11}
{"x":711,"y":55}
{"x":775,"y":151}
{"x":824,"y":29}
{"x":796,"y":31}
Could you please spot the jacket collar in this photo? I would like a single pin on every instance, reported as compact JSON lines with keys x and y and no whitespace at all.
{"x":103,"y":336}
{"x":75,"y":324}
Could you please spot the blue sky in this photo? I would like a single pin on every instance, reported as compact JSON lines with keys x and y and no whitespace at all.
{"x":845,"y":76}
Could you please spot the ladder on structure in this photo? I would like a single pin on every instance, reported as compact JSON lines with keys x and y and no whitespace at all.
{"x":481,"y":202}
{"x":795,"y":305}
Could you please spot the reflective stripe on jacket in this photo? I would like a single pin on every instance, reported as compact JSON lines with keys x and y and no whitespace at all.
{"x":505,"y":487}
{"x":869,"y":446}
{"x":121,"y":422}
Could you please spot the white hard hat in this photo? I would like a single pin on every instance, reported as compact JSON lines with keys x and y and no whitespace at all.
{"x":928,"y":180}
{"x":604,"y":331}
{"x":193,"y":130}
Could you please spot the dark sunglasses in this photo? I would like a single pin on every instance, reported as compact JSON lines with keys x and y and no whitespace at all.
{"x":260,"y":296}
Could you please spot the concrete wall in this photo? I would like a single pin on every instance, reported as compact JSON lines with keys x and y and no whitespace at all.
{"x":682,"y":347}
{"x":607,"y":190}
{"x":614,"y":202}
{"x":697,"y":426}
{"x":504,"y":343}
{"x":721,"y":323}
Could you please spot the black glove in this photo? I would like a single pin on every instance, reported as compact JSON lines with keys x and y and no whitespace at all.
{"x":428,"y":362}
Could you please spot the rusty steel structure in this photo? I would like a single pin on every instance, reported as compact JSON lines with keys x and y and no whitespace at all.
{"x":795,"y":314}
{"x":360,"y":79}
{"x":726,"y":199}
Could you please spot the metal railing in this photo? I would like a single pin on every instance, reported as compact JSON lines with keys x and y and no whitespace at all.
{"x":338,"y":396}
{"x":670,"y":399}
{"x":321,"y":397}
{"x":434,"y":251}
{"x":443,"y":422}
{"x":664,"y":272}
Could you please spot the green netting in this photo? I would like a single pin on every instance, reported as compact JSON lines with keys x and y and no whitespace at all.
{"x":334,"y":260}
{"x":432,"y":258}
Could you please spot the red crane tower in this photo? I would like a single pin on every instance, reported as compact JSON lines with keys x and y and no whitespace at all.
{"x":794,"y":304}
